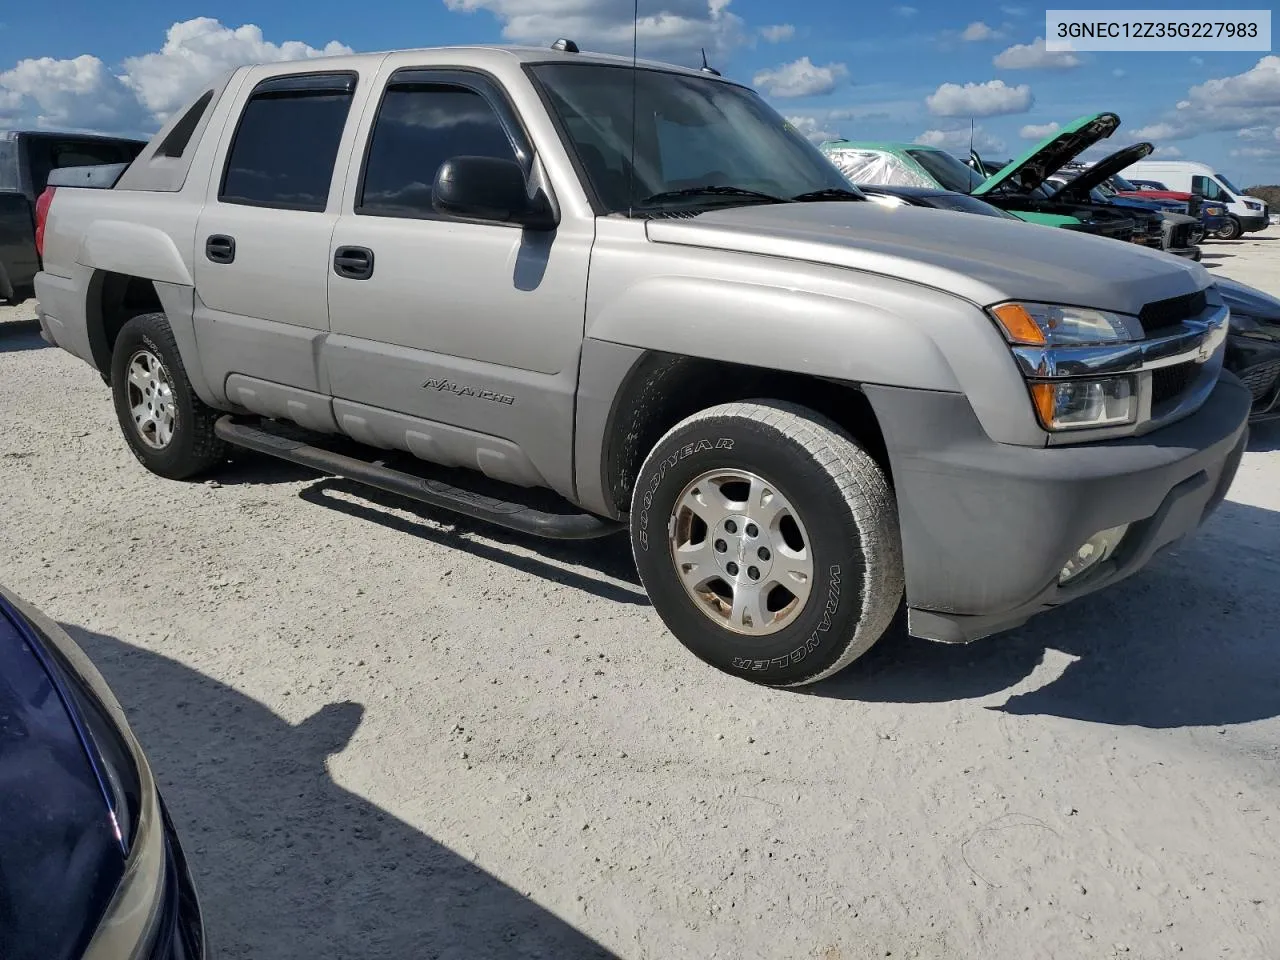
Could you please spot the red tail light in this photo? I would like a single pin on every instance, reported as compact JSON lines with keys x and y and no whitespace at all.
{"x":42,"y":214}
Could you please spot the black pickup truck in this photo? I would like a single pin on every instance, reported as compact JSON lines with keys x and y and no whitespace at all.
{"x":26,"y":160}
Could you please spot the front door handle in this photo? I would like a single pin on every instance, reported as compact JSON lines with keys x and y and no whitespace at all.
{"x":353,"y":263}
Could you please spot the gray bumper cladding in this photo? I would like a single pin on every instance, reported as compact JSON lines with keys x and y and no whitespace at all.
{"x":987,"y":527}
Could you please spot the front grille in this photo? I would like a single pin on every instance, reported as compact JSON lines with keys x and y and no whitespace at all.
{"x":1261,"y":380}
{"x":1171,"y":312}
{"x":1180,"y":236}
{"x":1168,"y":383}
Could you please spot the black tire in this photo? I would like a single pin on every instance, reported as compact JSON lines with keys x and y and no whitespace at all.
{"x":848,"y":513}
{"x":194,"y":448}
{"x":1231,"y":230}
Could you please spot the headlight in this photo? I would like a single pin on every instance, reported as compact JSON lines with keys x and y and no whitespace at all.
{"x":1051,"y":325}
{"x":1215,"y":211}
{"x":1252,"y":206}
{"x":1081,"y":404}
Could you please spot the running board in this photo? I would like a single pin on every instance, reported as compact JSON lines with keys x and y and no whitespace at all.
{"x":502,"y":513}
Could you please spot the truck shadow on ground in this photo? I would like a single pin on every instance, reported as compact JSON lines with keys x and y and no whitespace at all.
{"x":19,"y":335}
{"x":1193,"y":640}
{"x":610,"y":556}
{"x":289,"y":864}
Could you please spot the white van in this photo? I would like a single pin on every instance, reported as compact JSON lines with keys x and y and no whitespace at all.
{"x":1247,"y":213}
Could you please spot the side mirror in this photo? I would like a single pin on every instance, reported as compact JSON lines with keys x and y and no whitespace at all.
{"x":487,"y":188}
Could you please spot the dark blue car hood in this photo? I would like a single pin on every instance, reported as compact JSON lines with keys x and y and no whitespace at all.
{"x":60,"y":858}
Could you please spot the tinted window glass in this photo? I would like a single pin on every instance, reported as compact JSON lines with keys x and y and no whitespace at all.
{"x":8,"y":164}
{"x":950,"y":173}
{"x":690,"y":131}
{"x":285,"y":149}
{"x":176,"y":142}
{"x":419,"y":127}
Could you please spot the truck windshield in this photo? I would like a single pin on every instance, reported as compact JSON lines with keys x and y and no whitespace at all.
{"x":691,"y":133}
{"x":950,"y":173}
{"x":1229,"y":185}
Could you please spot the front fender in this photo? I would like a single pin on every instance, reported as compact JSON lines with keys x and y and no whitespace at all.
{"x":134,"y":250}
{"x":788,"y":329}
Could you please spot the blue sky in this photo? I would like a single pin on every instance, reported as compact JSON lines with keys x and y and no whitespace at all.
{"x":912,"y":71}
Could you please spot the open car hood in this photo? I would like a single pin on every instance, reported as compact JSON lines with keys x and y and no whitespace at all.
{"x":1030,"y":170}
{"x":1104,"y":170}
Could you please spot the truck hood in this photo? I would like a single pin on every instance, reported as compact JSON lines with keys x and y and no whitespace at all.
{"x":1051,"y":154}
{"x":982,"y":259}
{"x":1103,"y":170}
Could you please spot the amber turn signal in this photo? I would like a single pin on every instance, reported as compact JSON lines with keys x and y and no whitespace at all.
{"x":1018,"y":323}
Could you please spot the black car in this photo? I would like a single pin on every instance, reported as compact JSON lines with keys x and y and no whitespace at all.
{"x":934,"y":197}
{"x":26,"y":160}
{"x":90,"y":864}
{"x":1253,"y":346}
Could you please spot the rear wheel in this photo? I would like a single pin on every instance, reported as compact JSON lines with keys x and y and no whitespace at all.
{"x":1231,"y":230}
{"x":768,"y":542}
{"x":168,"y":428}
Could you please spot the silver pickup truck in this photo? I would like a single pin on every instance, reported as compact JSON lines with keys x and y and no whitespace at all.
{"x":640,"y":288}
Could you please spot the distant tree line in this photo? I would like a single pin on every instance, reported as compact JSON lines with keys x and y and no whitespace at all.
{"x":1271,"y":194}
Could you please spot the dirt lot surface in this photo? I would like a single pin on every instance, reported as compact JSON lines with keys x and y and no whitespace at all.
{"x":387,"y":735}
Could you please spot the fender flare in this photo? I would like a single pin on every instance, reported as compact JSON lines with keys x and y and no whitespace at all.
{"x":785,"y":329}
{"x":134,"y":250}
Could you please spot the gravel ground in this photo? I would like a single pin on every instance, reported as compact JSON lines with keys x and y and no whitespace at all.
{"x":385,"y":734}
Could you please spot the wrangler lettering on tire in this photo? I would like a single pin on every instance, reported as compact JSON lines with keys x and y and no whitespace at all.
{"x":768,"y":541}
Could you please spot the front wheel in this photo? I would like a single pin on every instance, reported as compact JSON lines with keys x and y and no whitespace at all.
{"x":768,"y":542}
{"x":1231,"y":230}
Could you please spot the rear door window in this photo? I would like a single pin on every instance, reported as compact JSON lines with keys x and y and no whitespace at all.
{"x":286,"y":145}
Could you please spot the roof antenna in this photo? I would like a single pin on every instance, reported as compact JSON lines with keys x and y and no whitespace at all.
{"x":635,"y":72}
{"x":706,"y":67}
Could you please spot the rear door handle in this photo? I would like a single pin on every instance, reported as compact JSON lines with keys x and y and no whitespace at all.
{"x":353,"y":263}
{"x":220,"y":249}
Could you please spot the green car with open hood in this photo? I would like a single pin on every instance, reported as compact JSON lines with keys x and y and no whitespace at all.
{"x":1015,"y":187}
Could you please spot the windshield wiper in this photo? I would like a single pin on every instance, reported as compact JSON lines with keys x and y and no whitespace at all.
{"x":710,"y":191}
{"x":827,"y":193}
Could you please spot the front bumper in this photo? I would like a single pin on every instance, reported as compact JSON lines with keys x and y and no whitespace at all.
{"x":1257,"y":363}
{"x":987,"y":527}
{"x":1254,"y":222}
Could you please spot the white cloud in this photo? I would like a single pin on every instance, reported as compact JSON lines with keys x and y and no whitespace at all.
{"x":1156,"y":131}
{"x":977,"y":31}
{"x":812,"y":128}
{"x":905,"y":11}
{"x":77,"y":94}
{"x":959,"y":140}
{"x":1015,"y":11}
{"x":979,"y":99}
{"x":1259,"y":86}
{"x":1256,"y":153}
{"x":778,"y":33}
{"x":1168,"y":153}
{"x":1259,"y":133}
{"x":1034,"y":56}
{"x":1117,"y":72}
{"x":83,"y":93}
{"x":800,"y":78}
{"x":196,"y":50}
{"x":1198,"y":61}
{"x":676,"y":32}
{"x":1243,"y":101}
{"x":1038,"y":131}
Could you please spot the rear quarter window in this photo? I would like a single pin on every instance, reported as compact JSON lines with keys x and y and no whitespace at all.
{"x":9,"y":165}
